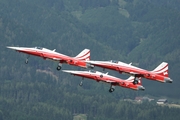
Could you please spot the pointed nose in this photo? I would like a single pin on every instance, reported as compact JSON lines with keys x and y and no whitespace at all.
{"x":141,"y":88}
{"x":14,"y":48}
{"x":88,"y":65}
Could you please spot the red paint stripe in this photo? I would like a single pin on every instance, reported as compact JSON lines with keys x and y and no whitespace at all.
{"x":84,"y":55}
{"x":162,"y":68}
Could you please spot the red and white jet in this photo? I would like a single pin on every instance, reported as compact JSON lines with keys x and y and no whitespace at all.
{"x":114,"y":81}
{"x":45,"y":53}
{"x":158,"y":74}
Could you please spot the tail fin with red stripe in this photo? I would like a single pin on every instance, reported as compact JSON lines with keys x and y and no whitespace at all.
{"x":162,"y":69}
{"x":84,"y":55}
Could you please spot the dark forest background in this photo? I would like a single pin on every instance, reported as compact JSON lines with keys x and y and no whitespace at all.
{"x":145,"y":33}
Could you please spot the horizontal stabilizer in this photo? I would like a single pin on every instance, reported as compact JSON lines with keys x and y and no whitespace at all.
{"x":133,"y":78}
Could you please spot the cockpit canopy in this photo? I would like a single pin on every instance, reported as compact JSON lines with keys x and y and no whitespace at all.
{"x":92,"y":71}
{"x":45,"y":49}
{"x":114,"y":61}
{"x":40,"y":48}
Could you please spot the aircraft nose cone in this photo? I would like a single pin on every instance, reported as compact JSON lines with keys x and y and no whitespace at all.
{"x":88,"y":65}
{"x":168,"y":80}
{"x":70,"y":71}
{"x":66,"y":71}
{"x":141,"y":88}
{"x":14,"y":48}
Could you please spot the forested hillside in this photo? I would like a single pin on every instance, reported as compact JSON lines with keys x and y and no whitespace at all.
{"x":142,"y":32}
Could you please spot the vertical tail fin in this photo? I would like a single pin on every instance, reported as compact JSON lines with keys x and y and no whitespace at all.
{"x":84,"y":55}
{"x":162,"y":69}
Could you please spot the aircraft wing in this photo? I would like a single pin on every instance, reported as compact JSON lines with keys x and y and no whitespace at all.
{"x":81,"y":73}
{"x":134,"y":73}
{"x":139,"y":74}
{"x":109,"y":81}
{"x":56,"y":59}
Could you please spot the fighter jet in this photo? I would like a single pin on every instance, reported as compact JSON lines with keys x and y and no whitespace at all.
{"x":159,"y":74}
{"x":113,"y":81}
{"x":45,"y":53}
